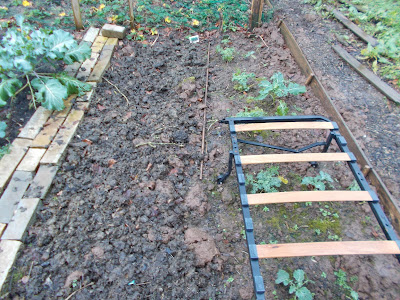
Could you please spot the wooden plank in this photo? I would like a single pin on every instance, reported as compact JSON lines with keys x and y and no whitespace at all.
{"x":42,"y":182}
{"x":353,"y":27}
{"x":87,"y":67}
{"x":91,"y":35}
{"x":35,"y":123}
{"x":2,"y":228}
{"x":77,"y":14}
{"x":49,"y":131}
{"x":308,"y":196}
{"x":383,"y":87}
{"x":256,"y":13}
{"x":327,"y":248}
{"x":131,"y":14}
{"x":31,"y":160}
{"x":297,"y":157}
{"x":10,"y":161}
{"x":386,"y":199}
{"x":283,"y":125}
{"x":8,"y":254}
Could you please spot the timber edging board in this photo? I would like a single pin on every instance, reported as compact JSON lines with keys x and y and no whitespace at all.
{"x":386,"y":199}
{"x":27,"y":172}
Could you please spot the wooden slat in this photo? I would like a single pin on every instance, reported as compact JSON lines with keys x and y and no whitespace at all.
{"x":283,"y":125}
{"x":296,"y":157}
{"x":328,"y":248}
{"x":308,"y":196}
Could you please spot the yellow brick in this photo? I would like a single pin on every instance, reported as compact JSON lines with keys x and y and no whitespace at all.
{"x":50,"y":129}
{"x":8,"y":254}
{"x":31,"y":160}
{"x":35,"y":123}
{"x":112,"y":41}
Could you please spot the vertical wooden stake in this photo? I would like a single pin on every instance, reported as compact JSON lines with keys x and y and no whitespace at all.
{"x":131,"y":16}
{"x":77,"y":14}
{"x":256,"y":13}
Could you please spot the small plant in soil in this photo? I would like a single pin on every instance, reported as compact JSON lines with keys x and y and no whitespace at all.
{"x":279,"y":87}
{"x":240,"y":79}
{"x":296,"y":284}
{"x":227,"y":54}
{"x":341,"y":280}
{"x":24,"y":50}
{"x":318,"y":182}
{"x":267,"y":181}
{"x":255,"y":112}
{"x":354,"y":186}
{"x":282,"y":109}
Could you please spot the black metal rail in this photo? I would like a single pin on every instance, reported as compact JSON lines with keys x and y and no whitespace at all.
{"x":248,"y":223}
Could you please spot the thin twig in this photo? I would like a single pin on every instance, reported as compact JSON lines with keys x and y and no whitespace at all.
{"x":69,"y":297}
{"x":153,"y":144}
{"x":152,"y":44}
{"x":123,"y":95}
{"x":20,"y":90}
{"x":205,"y":112}
{"x":263,"y":41}
{"x":139,"y":284}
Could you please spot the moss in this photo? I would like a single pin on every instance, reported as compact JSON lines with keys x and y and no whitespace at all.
{"x":325,"y":225}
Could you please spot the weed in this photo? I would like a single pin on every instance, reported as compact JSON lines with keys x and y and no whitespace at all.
{"x":317,"y":231}
{"x":4,"y":150}
{"x":266,"y":181}
{"x":334,"y":237}
{"x":323,"y":275}
{"x":230,"y":279}
{"x":227,"y":54}
{"x":265,"y":208}
{"x":255,"y":112}
{"x":282,"y":109}
{"x":296,"y":284}
{"x":318,"y":182}
{"x":240,"y":79}
{"x":341,"y":280}
{"x":3,"y":127}
{"x":354,"y":186}
{"x":250,"y":54}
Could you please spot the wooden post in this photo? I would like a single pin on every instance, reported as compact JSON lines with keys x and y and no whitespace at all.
{"x":131,"y":16}
{"x":256,"y":13}
{"x":77,"y":14}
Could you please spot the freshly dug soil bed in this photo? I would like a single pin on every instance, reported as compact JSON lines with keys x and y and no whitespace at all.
{"x":132,"y":219}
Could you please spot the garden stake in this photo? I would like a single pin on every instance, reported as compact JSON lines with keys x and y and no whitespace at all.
{"x":389,"y":246}
{"x":205,"y":112}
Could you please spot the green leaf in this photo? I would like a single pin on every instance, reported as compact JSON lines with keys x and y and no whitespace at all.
{"x":304,"y":294}
{"x":299,"y":276}
{"x":50,"y":92}
{"x":59,"y":43}
{"x":354,"y":295}
{"x":283,"y":277}
{"x":320,"y":186}
{"x":23,"y":65}
{"x":278,"y":78}
{"x":8,"y":87}
{"x":74,"y":86}
{"x":3,"y":127}
{"x":79,"y":53}
{"x":282,"y":109}
{"x":292,"y":289}
{"x":295,"y":88}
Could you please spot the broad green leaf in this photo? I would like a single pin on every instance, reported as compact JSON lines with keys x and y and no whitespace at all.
{"x":79,"y":53}
{"x":5,"y":60}
{"x":299,"y":276}
{"x":283,"y":277}
{"x":19,"y":19}
{"x":21,"y":64}
{"x":354,"y":295}
{"x":50,"y":92}
{"x":8,"y":87}
{"x":325,"y":176}
{"x":59,"y":43}
{"x":282,"y":109}
{"x":292,"y":289}
{"x":320,"y":186}
{"x":295,"y":89}
{"x":74,"y":86}
{"x":304,"y":294}
{"x":278,"y":78}
{"x":3,"y":127}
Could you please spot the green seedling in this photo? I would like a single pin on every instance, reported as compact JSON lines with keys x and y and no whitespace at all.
{"x":282,"y":109}
{"x":296,"y":284}
{"x":227,"y":54}
{"x":255,"y":112}
{"x":341,"y":280}
{"x":240,"y":79}
{"x":354,"y":186}
{"x":318,"y":182}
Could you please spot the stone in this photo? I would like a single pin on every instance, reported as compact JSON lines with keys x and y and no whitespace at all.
{"x":31,"y":160}
{"x":24,"y":216}
{"x":13,"y":194}
{"x":113,"y":31}
{"x":42,"y":182}
{"x":63,"y":137}
{"x":8,"y":254}
{"x":91,"y":34}
{"x":35,"y":123}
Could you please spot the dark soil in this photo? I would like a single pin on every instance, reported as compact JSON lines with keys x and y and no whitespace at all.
{"x":126,"y":219}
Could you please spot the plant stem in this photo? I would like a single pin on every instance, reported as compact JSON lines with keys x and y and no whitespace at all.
{"x":32,"y":93}
{"x":20,"y":90}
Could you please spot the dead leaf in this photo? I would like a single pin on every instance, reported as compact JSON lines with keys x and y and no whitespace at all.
{"x":25,"y":279}
{"x":174,"y":171}
{"x":111,"y":162}
{"x":59,"y":193}
{"x":100,"y":107}
{"x":127,"y":116}
{"x":87,"y":141}
{"x":374,"y":233}
{"x":149,"y":167}
{"x":108,"y":92}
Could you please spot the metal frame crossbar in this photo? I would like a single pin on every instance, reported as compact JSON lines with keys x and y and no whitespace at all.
{"x":392,"y":246}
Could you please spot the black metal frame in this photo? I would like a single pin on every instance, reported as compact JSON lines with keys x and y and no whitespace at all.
{"x":248,"y":223}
